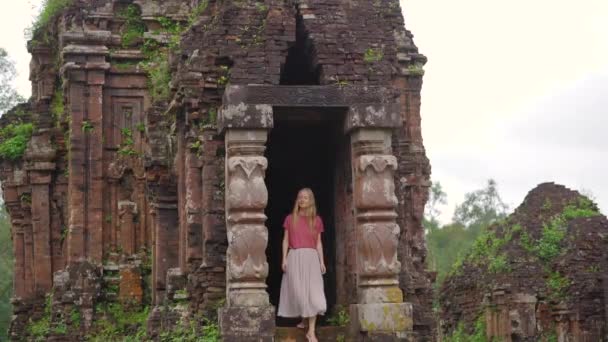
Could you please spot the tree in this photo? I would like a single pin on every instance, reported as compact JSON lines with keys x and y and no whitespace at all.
{"x":8,"y":96}
{"x":6,"y":272}
{"x":437,"y":197}
{"x":447,"y":243}
{"x":8,"y":99}
{"x":481,"y":207}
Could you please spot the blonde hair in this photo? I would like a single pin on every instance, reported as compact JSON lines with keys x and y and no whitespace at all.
{"x":310,"y":212}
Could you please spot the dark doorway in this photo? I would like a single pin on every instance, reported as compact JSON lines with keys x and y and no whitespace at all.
{"x":301,"y":152}
{"x":300,"y":67}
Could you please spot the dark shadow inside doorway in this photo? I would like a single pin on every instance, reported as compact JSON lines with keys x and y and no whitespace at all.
{"x":301,"y":152}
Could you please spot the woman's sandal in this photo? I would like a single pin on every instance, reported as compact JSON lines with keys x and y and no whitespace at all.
{"x":301,"y":325}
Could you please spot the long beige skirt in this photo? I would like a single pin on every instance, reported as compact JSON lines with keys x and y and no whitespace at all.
{"x":302,"y":293}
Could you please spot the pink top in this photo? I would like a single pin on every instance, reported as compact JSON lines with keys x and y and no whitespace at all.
{"x":300,"y":236}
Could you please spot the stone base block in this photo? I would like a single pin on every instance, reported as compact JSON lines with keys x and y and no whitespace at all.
{"x":382,"y":318}
{"x":247,"y":324}
{"x":389,"y":337}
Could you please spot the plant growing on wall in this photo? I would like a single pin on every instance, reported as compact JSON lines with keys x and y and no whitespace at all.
{"x":14,"y":140}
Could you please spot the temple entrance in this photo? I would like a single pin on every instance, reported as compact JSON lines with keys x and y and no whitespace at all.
{"x":301,"y":152}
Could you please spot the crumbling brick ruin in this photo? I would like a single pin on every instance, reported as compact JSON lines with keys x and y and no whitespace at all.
{"x":169,"y":140}
{"x":537,"y":276}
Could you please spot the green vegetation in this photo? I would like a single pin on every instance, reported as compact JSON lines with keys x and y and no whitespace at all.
{"x":478,"y":335}
{"x":373,"y":55}
{"x":87,"y":126}
{"x":415,"y":70}
{"x":134,"y":27}
{"x":583,"y":207}
{"x":115,"y":322}
{"x":8,"y":95}
{"x":57,"y":105}
{"x":50,"y":9}
{"x":197,"y":147}
{"x":557,"y":285}
{"x":448,"y":244}
{"x":159,"y":76}
{"x":6,"y":273}
{"x":64,"y":233}
{"x":211,"y":118}
{"x":550,"y":337}
{"x":549,"y":245}
{"x":486,"y":251}
{"x":14,"y":140}
{"x":261,"y":7}
{"x":122,"y":66}
{"x":157,"y":57}
{"x":339,"y":317}
{"x":39,"y":328}
{"x":126,"y":147}
{"x":209,"y":332}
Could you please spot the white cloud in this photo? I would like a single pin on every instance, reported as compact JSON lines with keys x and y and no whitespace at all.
{"x":513,"y":91}
{"x":15,"y":17}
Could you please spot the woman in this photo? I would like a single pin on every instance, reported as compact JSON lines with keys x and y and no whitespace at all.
{"x":302,"y":292}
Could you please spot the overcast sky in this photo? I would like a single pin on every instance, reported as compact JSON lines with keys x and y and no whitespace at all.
{"x":513,"y":91}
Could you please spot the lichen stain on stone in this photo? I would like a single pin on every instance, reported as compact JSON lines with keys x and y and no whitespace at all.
{"x":233,"y":111}
{"x":394,"y":295}
{"x":266,"y":114}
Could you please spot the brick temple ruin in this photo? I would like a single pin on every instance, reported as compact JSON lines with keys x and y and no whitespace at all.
{"x":538,"y":275}
{"x":132,"y":193}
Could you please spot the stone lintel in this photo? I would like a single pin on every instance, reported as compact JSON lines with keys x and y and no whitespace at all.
{"x":373,"y":115}
{"x":247,"y":323}
{"x":309,"y":96}
{"x":382,"y":317}
{"x":245,"y":116}
{"x":251,"y":106}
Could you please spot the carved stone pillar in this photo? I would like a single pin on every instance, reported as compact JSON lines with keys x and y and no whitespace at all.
{"x":380,"y":308}
{"x":248,"y":315}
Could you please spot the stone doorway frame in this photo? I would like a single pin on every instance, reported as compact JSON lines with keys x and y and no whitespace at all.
{"x":245,"y":118}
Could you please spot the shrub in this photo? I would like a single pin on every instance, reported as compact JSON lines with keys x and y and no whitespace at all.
{"x":15,"y":138}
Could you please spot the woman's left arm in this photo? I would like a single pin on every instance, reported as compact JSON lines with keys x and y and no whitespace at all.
{"x":320,"y":252}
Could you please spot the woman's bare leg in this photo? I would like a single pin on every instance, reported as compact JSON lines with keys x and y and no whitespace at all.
{"x":302,"y":324}
{"x":311,"y":328}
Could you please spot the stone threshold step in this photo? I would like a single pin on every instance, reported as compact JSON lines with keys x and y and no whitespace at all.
{"x":324,"y":334}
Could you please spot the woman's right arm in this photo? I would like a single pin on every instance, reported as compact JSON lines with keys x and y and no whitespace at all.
{"x":285,"y":249}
